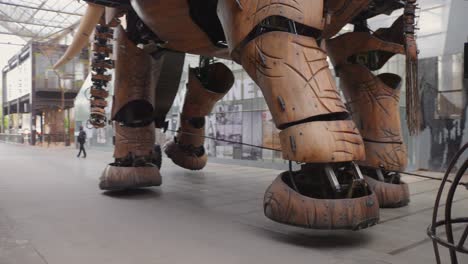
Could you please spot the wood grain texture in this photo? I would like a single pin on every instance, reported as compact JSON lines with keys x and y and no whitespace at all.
{"x":200,"y":101}
{"x":183,"y":158}
{"x":375,"y":109}
{"x":240,"y":17}
{"x":388,"y":156}
{"x":182,"y":150}
{"x":120,"y":178}
{"x":171,"y":22}
{"x":132,"y":73}
{"x":284,"y":205}
{"x":322,"y":142}
{"x":139,"y":141}
{"x":375,"y":106}
{"x":390,"y":195}
{"x":295,"y":69}
{"x":192,"y":136}
{"x":343,"y":46}
{"x":373,"y":100}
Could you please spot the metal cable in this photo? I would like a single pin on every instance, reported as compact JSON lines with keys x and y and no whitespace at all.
{"x":261,"y":147}
{"x":429,"y":177}
{"x":223,"y":140}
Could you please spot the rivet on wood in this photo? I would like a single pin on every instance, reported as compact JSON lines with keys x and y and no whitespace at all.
{"x":282,"y":103}
{"x":292,"y":141}
{"x":262,"y":58}
{"x":239,"y":4}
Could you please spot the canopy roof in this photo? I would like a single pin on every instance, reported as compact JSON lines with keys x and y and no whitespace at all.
{"x":40,"y":20}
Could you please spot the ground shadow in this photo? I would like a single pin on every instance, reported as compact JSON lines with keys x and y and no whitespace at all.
{"x":319,"y":239}
{"x":133,"y":194}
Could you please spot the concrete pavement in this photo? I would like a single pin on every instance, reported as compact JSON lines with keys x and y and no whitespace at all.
{"x":51,"y":211}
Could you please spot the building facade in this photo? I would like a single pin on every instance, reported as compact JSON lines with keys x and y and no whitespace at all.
{"x":35,"y":98}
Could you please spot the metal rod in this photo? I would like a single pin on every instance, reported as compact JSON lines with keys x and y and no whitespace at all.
{"x":436,"y":251}
{"x":441,"y":188}
{"x":358,"y":171}
{"x":291,"y":176}
{"x":332,"y":178}
{"x":21,"y":35}
{"x":448,"y":209}
{"x":223,"y":140}
{"x":37,"y":8}
{"x":261,"y":147}
{"x":12,"y":44}
{"x":31,"y":23}
{"x":380,"y":175}
{"x":463,"y":238}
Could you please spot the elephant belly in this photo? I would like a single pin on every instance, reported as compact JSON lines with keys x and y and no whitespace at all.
{"x":171,"y":21}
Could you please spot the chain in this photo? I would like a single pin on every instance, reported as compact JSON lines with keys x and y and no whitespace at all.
{"x":101,"y":63}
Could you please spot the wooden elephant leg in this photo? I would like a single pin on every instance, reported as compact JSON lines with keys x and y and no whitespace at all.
{"x":133,"y":96}
{"x":375,"y":106}
{"x":135,"y":158}
{"x":275,"y":41}
{"x":374,"y":101}
{"x":206,"y":86}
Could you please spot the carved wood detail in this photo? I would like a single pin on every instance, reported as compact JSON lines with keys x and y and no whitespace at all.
{"x":348,"y":44}
{"x":200,"y":101}
{"x":374,"y":105}
{"x":322,"y":142}
{"x":132,"y":73}
{"x":373,"y":100}
{"x":390,"y":195}
{"x":388,"y":156}
{"x":284,"y":205}
{"x":192,"y":136}
{"x":120,"y":178}
{"x":376,"y":111}
{"x":294,"y":76}
{"x":139,"y":141}
{"x":239,"y":17}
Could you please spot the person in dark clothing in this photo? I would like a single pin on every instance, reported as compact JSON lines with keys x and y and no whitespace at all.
{"x":82,"y":141}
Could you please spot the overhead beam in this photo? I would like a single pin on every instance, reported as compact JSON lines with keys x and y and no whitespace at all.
{"x":9,"y":28}
{"x":61,"y":33}
{"x":37,"y":8}
{"x":21,"y":35}
{"x":29,"y":23}
{"x":12,"y":44}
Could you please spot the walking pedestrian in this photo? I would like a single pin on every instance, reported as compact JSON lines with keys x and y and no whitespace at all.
{"x":82,"y":141}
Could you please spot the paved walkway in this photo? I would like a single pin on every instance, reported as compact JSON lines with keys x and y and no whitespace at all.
{"x":51,"y":211}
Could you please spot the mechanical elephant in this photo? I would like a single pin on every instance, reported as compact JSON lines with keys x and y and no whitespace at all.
{"x":350,"y":151}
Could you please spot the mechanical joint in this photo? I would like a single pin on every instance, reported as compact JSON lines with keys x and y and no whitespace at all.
{"x":241,"y":18}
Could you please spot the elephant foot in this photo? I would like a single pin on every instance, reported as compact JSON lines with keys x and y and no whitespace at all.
{"x":121,"y":178}
{"x":187,"y":157}
{"x":390,"y":190}
{"x":305,"y":199}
